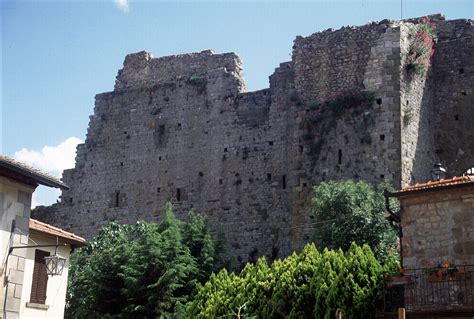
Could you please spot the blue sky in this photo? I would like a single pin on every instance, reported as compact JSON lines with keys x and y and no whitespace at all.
{"x":57,"y":55}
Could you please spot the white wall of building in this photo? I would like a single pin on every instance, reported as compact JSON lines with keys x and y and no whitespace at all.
{"x":57,"y":285}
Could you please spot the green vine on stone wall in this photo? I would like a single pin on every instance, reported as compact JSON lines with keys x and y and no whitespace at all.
{"x":322,"y":117}
{"x":408,"y":114}
{"x":421,"y":47}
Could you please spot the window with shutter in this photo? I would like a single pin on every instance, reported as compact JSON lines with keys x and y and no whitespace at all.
{"x":40,"y":278}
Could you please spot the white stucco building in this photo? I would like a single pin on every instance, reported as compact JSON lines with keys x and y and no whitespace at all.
{"x":26,"y":289}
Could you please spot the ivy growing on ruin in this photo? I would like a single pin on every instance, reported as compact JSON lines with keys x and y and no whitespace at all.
{"x":323,"y":116}
{"x":421,"y":47}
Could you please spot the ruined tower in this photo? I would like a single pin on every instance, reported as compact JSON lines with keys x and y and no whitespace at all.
{"x":184,"y":128}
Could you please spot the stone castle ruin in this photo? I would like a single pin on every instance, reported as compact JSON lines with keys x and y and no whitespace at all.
{"x":184,"y":128}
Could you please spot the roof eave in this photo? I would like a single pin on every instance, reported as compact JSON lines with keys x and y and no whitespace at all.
{"x":36,"y":177}
{"x":428,"y":189}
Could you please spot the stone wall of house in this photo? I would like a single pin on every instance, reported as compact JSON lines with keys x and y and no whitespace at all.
{"x":15,"y":203}
{"x":183,"y":128}
{"x":453,"y":77}
{"x":438,"y":227}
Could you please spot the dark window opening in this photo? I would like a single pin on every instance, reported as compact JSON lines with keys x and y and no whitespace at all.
{"x":270,"y":143}
{"x":461,"y":71}
{"x":225,"y":149}
{"x":304,"y":184}
{"x":283,"y":181}
{"x":382,"y":176}
{"x":117,"y":199}
{"x":456,"y":117}
{"x":70,"y":200}
{"x":339,"y":155}
{"x":159,"y":158}
{"x":161,"y":129}
{"x":121,"y":163}
{"x":39,"y":282}
{"x":237,"y":174}
{"x":300,"y":148}
{"x":179,"y":124}
{"x":201,"y":174}
{"x":220,"y":182}
{"x":124,"y":132}
{"x":408,"y":102}
{"x":379,"y":101}
{"x":463,"y":93}
{"x":178,"y":194}
{"x":158,"y":190}
{"x":382,"y":137}
{"x":269,"y":177}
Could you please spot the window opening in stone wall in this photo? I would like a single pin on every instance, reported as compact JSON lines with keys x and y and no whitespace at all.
{"x":117,"y":199}
{"x":269,"y":177}
{"x":456,"y":117}
{"x":161,"y":129}
{"x":158,"y":190}
{"x":461,"y":71}
{"x":339,"y":155}
{"x":382,"y":176}
{"x":225,"y":149}
{"x":300,"y":148}
{"x":121,"y":163}
{"x":283,"y":181}
{"x":220,"y":182}
{"x":382,"y":137}
{"x":379,"y":101}
{"x":70,"y":200}
{"x":201,"y":174}
{"x":159,"y":158}
{"x":304,"y":184}
{"x":463,"y":93}
{"x":178,"y":194}
{"x":270,"y":143}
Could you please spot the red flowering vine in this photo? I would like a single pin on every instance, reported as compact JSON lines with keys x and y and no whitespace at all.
{"x":422,"y":46}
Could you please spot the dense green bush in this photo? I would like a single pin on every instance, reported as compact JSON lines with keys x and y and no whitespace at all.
{"x":311,"y":284}
{"x":349,"y":211}
{"x":142,"y":270}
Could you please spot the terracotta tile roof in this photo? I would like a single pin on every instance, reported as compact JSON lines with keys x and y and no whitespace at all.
{"x":431,"y":185}
{"x":30,"y":172}
{"x":44,"y":228}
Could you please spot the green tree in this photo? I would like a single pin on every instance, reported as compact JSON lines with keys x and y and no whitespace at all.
{"x":349,"y":211}
{"x":142,"y":270}
{"x":310,"y":284}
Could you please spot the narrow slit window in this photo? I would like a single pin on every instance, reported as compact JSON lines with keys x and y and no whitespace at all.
{"x":339,"y":155}
{"x":283,"y":181}
{"x":117,"y":199}
{"x":178,"y":194}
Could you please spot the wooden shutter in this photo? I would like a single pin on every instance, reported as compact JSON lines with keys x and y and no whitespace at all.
{"x":40,"y":278}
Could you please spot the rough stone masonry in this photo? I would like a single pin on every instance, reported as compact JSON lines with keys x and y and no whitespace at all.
{"x":184,"y":128}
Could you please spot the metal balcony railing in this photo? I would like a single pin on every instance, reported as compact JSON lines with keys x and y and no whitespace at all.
{"x":431,"y":290}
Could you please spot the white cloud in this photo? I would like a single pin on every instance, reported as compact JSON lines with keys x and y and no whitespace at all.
{"x":51,"y":159}
{"x":122,"y":5}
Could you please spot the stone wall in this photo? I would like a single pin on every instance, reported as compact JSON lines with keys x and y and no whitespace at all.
{"x":453,"y":77}
{"x":438,"y":228}
{"x":183,"y":128}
